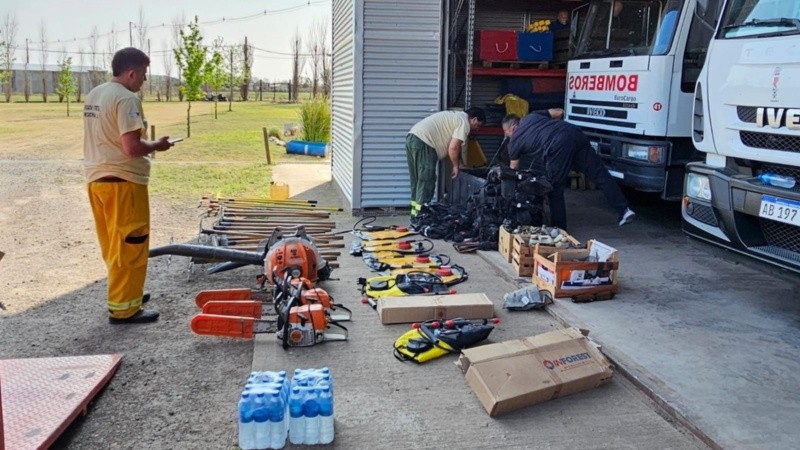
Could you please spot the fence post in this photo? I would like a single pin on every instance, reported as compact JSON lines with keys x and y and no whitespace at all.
{"x":266,"y":146}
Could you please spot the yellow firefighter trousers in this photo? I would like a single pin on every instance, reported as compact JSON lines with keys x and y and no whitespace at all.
{"x":122,"y":219}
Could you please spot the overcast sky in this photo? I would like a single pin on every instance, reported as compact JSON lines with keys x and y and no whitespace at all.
{"x":69,"y":24}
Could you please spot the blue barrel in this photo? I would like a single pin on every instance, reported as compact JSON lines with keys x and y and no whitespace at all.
{"x":307,"y":148}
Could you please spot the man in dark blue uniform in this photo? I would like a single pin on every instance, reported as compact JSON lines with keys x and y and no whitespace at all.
{"x":552,"y":148}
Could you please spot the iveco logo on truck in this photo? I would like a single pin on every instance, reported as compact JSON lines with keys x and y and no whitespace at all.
{"x":778,"y":117}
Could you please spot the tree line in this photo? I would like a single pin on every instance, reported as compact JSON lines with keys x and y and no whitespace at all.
{"x":200,"y":68}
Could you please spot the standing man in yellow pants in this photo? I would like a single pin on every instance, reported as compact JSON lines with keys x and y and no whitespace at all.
{"x":117,"y":166}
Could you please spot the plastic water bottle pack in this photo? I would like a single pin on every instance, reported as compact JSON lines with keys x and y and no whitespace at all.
{"x":272,"y":408}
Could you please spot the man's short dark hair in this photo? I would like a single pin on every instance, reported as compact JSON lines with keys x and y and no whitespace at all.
{"x":476,"y":113}
{"x":510,"y":120}
{"x":127,"y":59}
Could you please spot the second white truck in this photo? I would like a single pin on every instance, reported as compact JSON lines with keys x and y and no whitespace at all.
{"x":745,"y":195}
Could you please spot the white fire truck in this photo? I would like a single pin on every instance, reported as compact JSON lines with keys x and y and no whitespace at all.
{"x":631,"y":86}
{"x":747,"y":121}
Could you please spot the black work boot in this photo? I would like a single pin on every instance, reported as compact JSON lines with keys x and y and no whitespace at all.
{"x":143,"y":316}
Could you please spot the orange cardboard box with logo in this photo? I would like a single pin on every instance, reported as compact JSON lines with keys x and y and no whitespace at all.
{"x":514,"y":374}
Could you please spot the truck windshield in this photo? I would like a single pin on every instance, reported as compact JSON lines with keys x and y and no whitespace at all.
{"x":629,"y":27}
{"x":745,"y":18}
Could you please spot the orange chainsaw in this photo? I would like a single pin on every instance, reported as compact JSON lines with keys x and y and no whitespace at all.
{"x":300,"y":313}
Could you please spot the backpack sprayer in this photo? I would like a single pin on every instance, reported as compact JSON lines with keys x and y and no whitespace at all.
{"x":435,"y":338}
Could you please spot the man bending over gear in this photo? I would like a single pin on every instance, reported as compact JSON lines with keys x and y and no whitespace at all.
{"x":438,"y":136}
{"x":116,"y":158}
{"x":552,"y":148}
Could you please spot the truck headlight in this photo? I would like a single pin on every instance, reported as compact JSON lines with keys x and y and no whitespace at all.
{"x":698,"y":186}
{"x":650,"y":153}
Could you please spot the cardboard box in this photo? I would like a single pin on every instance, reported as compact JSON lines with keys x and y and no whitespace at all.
{"x":522,"y":254}
{"x":564,"y":272}
{"x":419,"y":308}
{"x":514,"y":374}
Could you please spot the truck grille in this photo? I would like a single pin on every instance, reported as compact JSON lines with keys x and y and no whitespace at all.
{"x":746,"y":113}
{"x":704,"y":214}
{"x":781,"y":235}
{"x":770,"y":141}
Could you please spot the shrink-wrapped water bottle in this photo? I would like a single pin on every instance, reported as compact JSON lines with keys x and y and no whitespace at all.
{"x":246,"y":423}
{"x":277,"y":430}
{"x":325,"y":416}
{"x":261,"y":420}
{"x":311,"y":413}
{"x":297,"y":423}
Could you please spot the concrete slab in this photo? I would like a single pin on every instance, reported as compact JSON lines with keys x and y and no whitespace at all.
{"x":385,"y":403}
{"x":713,"y":334}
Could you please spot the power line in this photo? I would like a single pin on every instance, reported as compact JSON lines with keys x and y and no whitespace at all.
{"x":259,"y":14}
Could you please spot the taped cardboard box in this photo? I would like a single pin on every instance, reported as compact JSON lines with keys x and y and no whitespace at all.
{"x":514,"y":374}
{"x":419,"y":308}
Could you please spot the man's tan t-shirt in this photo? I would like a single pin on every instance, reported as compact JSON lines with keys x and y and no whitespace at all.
{"x":110,"y":111}
{"x":438,"y":129}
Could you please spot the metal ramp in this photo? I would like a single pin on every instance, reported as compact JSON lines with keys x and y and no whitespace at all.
{"x":41,"y":397}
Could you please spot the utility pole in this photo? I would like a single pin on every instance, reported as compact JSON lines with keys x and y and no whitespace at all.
{"x":27,"y":87}
{"x":130,"y":33}
{"x":230,"y":97}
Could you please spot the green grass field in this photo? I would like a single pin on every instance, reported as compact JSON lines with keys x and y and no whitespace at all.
{"x":224,"y":156}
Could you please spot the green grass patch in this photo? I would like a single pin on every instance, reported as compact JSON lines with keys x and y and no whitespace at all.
{"x":222,"y":179}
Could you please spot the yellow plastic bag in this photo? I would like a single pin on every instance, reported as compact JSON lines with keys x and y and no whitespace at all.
{"x":475,"y":155}
{"x":514,"y":105}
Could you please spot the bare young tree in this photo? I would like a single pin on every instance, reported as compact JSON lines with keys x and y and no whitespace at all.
{"x":327,"y":63}
{"x":168,"y":60}
{"x":316,"y":49}
{"x":247,"y":66}
{"x":111,"y":47}
{"x":178,"y":24}
{"x":141,"y":30}
{"x":8,"y":39}
{"x":43,"y":47}
{"x":297,"y":65}
{"x":93,"y":40}
{"x":143,"y":45}
{"x":80,"y":74}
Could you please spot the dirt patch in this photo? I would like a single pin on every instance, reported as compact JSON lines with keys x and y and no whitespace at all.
{"x":173,"y":389}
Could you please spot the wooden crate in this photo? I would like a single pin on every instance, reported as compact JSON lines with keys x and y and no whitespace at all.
{"x":522,"y":254}
{"x":504,"y":244}
{"x":552,"y":269}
